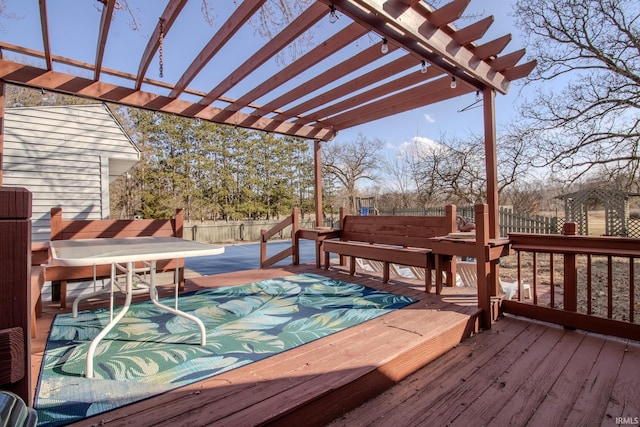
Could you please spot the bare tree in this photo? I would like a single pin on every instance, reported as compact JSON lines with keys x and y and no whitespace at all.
{"x":423,"y":157}
{"x":398,"y":167}
{"x":453,"y":170}
{"x":450,"y":171}
{"x":514,"y":156}
{"x":351,"y":162}
{"x":524,"y":196}
{"x":585,"y":117}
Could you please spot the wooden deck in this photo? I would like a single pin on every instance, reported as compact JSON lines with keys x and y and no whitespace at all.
{"x":520,"y":373}
{"x":312,"y":384}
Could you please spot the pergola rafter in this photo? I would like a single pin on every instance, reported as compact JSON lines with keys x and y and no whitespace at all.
{"x":364,"y":93}
{"x":165,"y":22}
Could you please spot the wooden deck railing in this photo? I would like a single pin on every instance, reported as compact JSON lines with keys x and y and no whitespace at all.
{"x":293,"y":221}
{"x":580,"y":282}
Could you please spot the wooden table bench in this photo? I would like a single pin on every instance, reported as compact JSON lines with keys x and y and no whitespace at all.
{"x":402,"y":240}
{"x":62,"y":229}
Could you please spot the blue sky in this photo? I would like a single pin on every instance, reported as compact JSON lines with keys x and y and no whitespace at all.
{"x":80,"y":21}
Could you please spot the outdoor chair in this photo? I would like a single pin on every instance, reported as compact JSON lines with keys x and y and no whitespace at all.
{"x":468,"y":275}
{"x":369,"y":265}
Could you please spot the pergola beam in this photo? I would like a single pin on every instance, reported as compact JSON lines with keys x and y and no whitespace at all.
{"x":448,"y":13}
{"x":319,"y":106}
{"x":170,"y":14}
{"x":492,"y":48}
{"x":354,"y":63}
{"x":302,"y":23}
{"x":366,"y":97}
{"x":438,"y":90}
{"x":407,"y":27}
{"x":24,"y":75}
{"x":44,"y":27}
{"x":473,"y":32}
{"x":520,"y":71}
{"x":399,"y":65}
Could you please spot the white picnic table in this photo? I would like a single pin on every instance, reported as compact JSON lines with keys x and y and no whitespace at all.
{"x":123,"y":253}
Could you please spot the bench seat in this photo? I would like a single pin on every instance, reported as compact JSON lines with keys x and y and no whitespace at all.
{"x":415,"y":257}
{"x":402,"y":240}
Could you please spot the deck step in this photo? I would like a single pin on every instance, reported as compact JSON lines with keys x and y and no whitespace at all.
{"x":373,"y":371}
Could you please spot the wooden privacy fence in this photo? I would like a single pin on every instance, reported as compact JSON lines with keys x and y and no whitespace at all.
{"x":514,"y":222}
{"x":509,"y":221}
{"x":234,"y":231}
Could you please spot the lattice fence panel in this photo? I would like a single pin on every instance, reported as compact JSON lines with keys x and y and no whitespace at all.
{"x":633,"y":227}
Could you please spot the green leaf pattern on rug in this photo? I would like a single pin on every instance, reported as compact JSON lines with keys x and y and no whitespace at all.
{"x":149,"y":346}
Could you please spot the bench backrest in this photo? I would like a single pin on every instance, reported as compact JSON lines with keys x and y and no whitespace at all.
{"x":74,"y":229}
{"x":409,"y":231}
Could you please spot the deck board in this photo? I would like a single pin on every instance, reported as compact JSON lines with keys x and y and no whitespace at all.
{"x":559,"y":401}
{"x":600,"y":382}
{"x":625,"y":396}
{"x":525,"y":382}
{"x":520,"y":373}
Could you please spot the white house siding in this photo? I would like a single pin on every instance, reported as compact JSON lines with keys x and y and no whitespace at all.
{"x":66,"y":156}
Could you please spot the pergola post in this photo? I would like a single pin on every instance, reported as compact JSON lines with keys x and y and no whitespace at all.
{"x":317,"y":172}
{"x":491,"y":162}
{"x":491,"y":167}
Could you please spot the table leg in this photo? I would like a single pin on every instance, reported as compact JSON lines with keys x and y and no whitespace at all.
{"x":318,"y":252}
{"x":112,"y":322}
{"x":153,"y":294}
{"x":76,"y":302}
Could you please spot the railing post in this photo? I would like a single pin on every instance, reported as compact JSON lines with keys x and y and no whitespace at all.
{"x":178,"y":223}
{"x":295,"y":226}
{"x":178,"y":231}
{"x":263,"y":247}
{"x":451,"y":215}
{"x":485,"y":278}
{"x":570,"y":272}
{"x":342,"y":212}
{"x":15,"y":288}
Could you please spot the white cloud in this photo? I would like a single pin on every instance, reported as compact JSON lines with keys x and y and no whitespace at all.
{"x":429,"y":118}
{"x":419,"y":144}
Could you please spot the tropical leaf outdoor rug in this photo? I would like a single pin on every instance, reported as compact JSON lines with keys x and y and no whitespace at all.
{"x":151,"y":351}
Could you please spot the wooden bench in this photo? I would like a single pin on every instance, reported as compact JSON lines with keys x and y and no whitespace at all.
{"x":90,"y":229}
{"x":403,"y":240}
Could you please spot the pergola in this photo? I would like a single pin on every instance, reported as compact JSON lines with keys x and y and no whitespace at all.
{"x":342,"y":81}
